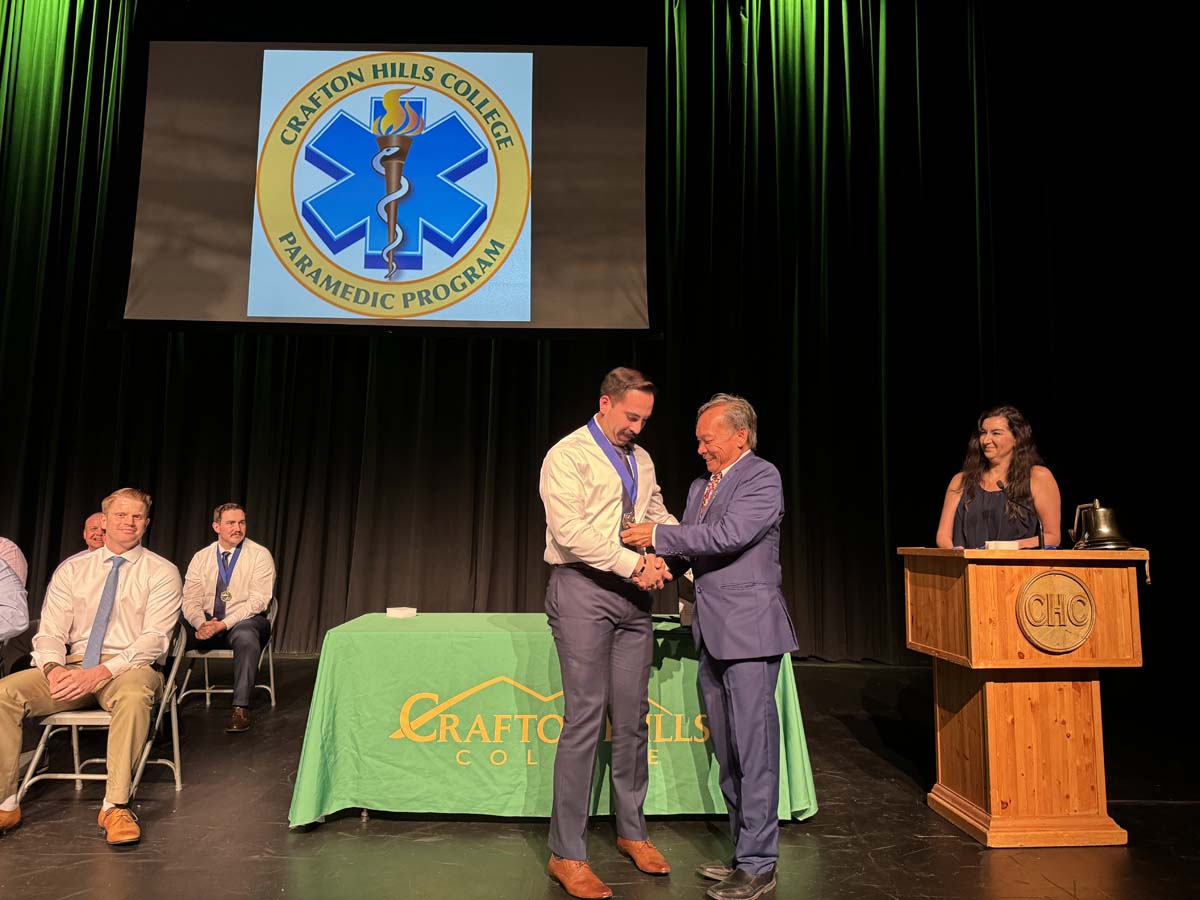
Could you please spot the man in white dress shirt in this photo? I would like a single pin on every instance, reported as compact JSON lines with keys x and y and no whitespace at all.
{"x":14,"y":608}
{"x":106,"y":617}
{"x":599,"y":607}
{"x":226,"y":592}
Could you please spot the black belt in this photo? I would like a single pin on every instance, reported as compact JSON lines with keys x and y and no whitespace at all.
{"x":585,"y":568}
{"x":595,"y":574}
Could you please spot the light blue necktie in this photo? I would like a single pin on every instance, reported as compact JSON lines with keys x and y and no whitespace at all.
{"x":91,"y":656}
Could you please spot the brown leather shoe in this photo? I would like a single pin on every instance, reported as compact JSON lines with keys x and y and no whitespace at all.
{"x":577,"y":878}
{"x":9,"y":819}
{"x":239,"y":721}
{"x":645,"y":856}
{"x":119,"y":826}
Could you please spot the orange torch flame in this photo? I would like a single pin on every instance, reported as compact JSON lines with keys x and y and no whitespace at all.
{"x":399,"y":117}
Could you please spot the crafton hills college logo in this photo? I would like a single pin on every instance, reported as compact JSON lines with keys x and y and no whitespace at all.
{"x":427,"y":719}
{"x":393,"y":184}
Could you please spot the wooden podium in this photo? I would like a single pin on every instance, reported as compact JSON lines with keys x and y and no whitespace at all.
{"x":1017,"y":637}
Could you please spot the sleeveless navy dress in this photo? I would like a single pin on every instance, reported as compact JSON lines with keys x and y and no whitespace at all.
{"x":985,"y":520}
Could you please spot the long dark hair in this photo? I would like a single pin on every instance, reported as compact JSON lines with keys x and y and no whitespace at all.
{"x":1025,"y":456}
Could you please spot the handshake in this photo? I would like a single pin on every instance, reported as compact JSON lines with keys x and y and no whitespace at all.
{"x":651,"y":573}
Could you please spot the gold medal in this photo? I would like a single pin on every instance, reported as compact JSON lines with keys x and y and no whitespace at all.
{"x":226,"y":596}
{"x":628,"y":520}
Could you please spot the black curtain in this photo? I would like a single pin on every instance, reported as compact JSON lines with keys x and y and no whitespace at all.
{"x":870,"y":219}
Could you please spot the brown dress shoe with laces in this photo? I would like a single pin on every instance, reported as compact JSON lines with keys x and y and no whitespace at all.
{"x":645,"y":856}
{"x":577,"y":878}
{"x":119,"y":826}
{"x":9,"y":819}
{"x":239,"y":721}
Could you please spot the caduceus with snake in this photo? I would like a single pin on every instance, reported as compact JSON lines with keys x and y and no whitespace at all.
{"x":394,"y":133}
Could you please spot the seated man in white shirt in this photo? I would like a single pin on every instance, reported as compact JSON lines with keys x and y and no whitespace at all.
{"x":11,"y":554}
{"x":226,"y":592}
{"x":106,"y":617}
{"x":14,"y":607}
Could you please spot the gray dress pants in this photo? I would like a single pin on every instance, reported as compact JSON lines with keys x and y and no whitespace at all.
{"x":605,"y":640}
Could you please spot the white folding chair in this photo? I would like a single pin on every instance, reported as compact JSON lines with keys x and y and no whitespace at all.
{"x":267,"y":652}
{"x":74,"y":720}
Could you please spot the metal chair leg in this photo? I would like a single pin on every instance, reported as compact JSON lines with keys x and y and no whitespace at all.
{"x":33,"y":763}
{"x":75,"y":753}
{"x":141,"y":767}
{"x":207,"y":685}
{"x":186,"y":677}
{"x":175,"y":741}
{"x":271,"y":672}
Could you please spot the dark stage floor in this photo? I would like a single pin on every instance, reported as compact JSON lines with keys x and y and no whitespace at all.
{"x":870,"y":738}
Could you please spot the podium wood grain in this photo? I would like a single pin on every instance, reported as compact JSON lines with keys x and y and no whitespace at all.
{"x":1020,"y":748}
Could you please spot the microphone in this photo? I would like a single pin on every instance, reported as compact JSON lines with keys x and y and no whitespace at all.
{"x":1041,"y":532}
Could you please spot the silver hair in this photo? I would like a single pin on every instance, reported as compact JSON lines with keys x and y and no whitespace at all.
{"x":737,"y":414}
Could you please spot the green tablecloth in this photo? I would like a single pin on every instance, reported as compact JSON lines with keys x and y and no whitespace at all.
{"x":460,"y":713}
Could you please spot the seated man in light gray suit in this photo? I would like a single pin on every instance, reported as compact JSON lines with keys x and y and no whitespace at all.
{"x":729,"y":537}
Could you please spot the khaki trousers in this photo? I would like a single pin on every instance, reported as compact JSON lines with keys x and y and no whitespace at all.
{"x":129,"y":697}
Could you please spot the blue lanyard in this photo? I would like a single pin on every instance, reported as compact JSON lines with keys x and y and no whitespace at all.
{"x":227,"y":573}
{"x":627,"y":473}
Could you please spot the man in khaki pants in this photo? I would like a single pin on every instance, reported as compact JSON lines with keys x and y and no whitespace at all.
{"x":112,"y":611}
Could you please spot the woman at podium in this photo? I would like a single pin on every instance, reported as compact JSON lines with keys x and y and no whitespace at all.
{"x":1003,"y":493}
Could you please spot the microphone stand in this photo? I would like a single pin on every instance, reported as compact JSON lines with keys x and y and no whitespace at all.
{"x":1041,"y":532}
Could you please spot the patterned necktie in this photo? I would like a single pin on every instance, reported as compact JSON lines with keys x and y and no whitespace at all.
{"x":91,"y":656}
{"x":709,"y":490}
{"x":218,"y":603}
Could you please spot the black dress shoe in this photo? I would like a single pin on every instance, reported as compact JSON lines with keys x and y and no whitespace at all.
{"x":741,"y":885}
{"x":239,"y":721}
{"x":714,"y":871}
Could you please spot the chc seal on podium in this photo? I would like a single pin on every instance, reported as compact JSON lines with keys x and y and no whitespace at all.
{"x":1056,"y":612}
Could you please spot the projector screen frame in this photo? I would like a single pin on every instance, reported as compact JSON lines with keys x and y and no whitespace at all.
{"x":128,"y":169}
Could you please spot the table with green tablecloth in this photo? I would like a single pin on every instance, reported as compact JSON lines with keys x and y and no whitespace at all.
{"x":460,"y":713}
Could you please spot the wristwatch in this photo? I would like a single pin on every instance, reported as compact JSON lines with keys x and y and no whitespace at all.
{"x":50,"y":667}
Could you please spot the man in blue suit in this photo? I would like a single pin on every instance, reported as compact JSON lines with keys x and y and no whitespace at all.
{"x":729,"y":537}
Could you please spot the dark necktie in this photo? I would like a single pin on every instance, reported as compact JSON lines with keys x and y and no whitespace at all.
{"x":219,"y":603}
{"x":626,"y":500}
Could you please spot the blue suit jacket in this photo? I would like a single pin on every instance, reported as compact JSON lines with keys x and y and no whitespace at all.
{"x":734,"y":557}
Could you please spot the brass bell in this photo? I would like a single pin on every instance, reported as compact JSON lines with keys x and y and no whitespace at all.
{"x":1099,"y":531}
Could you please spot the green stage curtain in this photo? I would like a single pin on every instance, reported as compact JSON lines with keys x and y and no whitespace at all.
{"x":869,"y":218}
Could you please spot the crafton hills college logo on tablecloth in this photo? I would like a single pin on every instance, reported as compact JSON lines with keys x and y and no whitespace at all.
{"x":1056,"y":612}
{"x":470,"y":720}
{"x":360,"y":184}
